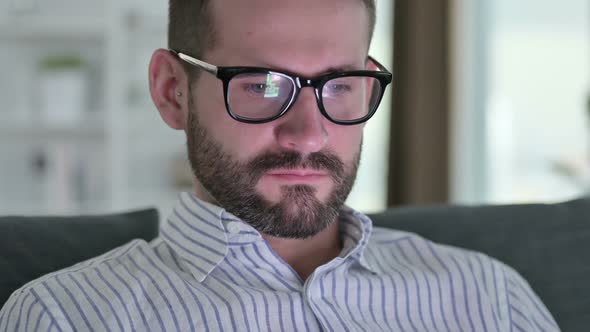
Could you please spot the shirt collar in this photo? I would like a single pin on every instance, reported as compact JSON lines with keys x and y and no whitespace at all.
{"x":355,"y":229}
{"x":202,"y":234}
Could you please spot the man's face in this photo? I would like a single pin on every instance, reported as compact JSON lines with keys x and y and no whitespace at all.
{"x":288,"y":177}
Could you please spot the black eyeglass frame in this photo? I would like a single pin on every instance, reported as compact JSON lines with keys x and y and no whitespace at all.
{"x":225,"y":74}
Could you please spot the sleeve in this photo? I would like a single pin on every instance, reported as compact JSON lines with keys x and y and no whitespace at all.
{"x":526,"y":311}
{"x":24,"y":312}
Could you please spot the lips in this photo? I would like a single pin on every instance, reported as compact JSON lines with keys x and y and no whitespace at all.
{"x":297,"y":175}
{"x":297,"y":172}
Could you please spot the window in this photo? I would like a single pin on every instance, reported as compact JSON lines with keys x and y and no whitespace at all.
{"x":521,"y":86}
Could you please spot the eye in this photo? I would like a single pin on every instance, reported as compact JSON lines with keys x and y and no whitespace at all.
{"x":254,"y":88}
{"x":337,"y":88}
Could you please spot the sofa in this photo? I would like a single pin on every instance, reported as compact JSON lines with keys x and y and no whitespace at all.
{"x":549,"y":244}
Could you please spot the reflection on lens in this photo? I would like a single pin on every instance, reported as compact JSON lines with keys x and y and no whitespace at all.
{"x":259,"y":96}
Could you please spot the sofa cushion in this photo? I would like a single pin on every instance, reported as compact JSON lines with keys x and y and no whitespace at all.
{"x":549,"y":244}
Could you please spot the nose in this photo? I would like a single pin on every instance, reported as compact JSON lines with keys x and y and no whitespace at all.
{"x":302,"y":128}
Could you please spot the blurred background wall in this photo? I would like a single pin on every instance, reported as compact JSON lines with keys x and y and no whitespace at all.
{"x":488,"y":105}
{"x":490,"y":101}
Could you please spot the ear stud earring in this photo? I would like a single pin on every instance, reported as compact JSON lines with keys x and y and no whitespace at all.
{"x":179,"y":94}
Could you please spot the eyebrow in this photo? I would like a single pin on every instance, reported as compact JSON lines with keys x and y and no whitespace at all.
{"x":340,"y":69}
{"x":329,"y":70}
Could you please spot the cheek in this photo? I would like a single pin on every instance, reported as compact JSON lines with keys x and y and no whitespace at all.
{"x":238,"y":139}
{"x":208,"y":101}
{"x":247,"y":140}
{"x":346,"y":141}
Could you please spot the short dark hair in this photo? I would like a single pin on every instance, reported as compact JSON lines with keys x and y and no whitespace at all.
{"x":191,"y":29}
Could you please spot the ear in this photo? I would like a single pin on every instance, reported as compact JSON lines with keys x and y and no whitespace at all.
{"x":169,"y":88}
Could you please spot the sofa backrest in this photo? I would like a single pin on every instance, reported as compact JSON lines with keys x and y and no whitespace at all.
{"x":548,"y":244}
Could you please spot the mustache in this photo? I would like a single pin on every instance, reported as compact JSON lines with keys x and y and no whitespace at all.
{"x":321,"y":160}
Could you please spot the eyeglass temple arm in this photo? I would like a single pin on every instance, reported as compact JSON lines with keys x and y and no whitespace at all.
{"x":377,"y":63}
{"x":196,"y":62}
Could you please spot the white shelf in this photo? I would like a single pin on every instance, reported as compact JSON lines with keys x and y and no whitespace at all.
{"x":42,"y":27}
{"x":23,"y":132}
{"x":115,"y":39}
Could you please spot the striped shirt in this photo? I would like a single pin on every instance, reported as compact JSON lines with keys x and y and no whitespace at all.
{"x":209,"y":271}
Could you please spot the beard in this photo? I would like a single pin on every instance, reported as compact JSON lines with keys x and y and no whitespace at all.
{"x":298,"y":214}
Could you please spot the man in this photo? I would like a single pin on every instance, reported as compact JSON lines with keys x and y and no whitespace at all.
{"x":273,"y":96}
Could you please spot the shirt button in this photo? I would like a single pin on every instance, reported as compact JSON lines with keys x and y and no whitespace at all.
{"x":233,"y":227}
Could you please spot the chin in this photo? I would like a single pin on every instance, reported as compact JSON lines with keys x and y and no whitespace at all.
{"x":274,"y":192}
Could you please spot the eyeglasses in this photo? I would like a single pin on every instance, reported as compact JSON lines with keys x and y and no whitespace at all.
{"x":259,"y":95}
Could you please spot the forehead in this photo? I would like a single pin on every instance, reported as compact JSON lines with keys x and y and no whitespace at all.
{"x":296,"y":32}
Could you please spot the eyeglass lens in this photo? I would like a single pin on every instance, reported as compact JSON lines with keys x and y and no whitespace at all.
{"x":259,"y":96}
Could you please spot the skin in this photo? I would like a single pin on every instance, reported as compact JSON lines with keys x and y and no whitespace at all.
{"x":306,"y":37}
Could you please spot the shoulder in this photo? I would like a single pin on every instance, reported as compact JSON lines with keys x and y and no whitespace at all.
{"x":415,"y":249}
{"x":526,"y":310}
{"x":390,"y":246}
{"x":118,"y":256}
{"x":488,"y":279}
{"x":50,"y":297}
{"x":397,"y":251}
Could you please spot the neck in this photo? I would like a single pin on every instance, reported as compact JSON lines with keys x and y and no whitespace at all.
{"x":305,"y":255}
